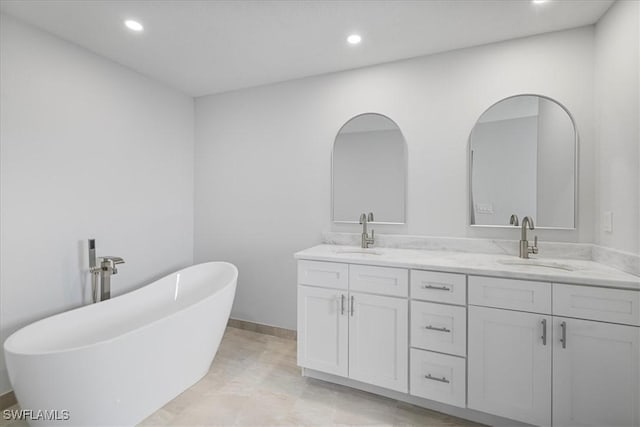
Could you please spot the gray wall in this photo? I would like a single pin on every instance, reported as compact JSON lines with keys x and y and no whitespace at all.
{"x":88,"y":149}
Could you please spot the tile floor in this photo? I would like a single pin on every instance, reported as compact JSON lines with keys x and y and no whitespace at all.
{"x":254,"y":381}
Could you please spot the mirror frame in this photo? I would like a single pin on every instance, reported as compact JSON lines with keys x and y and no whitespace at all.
{"x":576,"y":173}
{"x":405,"y":175}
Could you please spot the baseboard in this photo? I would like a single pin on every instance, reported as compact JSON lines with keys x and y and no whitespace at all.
{"x":7,"y":400}
{"x":263,"y":329}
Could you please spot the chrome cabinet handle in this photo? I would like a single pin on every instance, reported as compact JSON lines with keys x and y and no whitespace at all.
{"x":352,"y":306}
{"x":563,"y":340}
{"x":342,"y":304}
{"x":437,"y":288}
{"x":442,"y":380}
{"x":544,"y":331}
{"x":433,"y":328}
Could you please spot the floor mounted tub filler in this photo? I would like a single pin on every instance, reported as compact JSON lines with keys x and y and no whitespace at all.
{"x":116,"y":362}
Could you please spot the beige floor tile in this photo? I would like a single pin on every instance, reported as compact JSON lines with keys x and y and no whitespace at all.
{"x":266,"y":408}
{"x":254,"y":381}
{"x":216,"y":410}
{"x":161,"y":417}
{"x":410,"y":415}
{"x":312,"y":412}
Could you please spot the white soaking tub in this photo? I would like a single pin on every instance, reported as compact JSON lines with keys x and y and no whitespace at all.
{"x":116,"y":362}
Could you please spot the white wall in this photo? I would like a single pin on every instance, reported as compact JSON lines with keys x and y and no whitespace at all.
{"x":618,"y":117}
{"x":263,"y":155}
{"x":88,"y":149}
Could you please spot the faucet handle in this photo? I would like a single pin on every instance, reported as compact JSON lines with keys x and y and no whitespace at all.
{"x":534,"y":248}
{"x":112,"y":262}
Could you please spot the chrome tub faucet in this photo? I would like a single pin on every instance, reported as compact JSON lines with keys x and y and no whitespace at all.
{"x":525,"y":249}
{"x":366,"y":240}
{"x":101,"y":289}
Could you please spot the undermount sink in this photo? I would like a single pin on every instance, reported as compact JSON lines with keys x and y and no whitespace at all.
{"x":358,"y":251}
{"x":536,"y":263}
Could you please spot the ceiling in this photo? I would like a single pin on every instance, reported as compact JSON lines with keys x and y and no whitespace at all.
{"x":202,"y":47}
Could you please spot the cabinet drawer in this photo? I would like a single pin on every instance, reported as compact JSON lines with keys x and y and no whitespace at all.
{"x":326,"y":274}
{"x":523,"y":295}
{"x":441,"y":287}
{"x":379,"y":280}
{"x":438,"y":377}
{"x":607,"y":305}
{"x":439,"y":327}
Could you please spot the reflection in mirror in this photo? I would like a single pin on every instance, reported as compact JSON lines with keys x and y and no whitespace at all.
{"x":522,"y":161}
{"x":369,"y":170}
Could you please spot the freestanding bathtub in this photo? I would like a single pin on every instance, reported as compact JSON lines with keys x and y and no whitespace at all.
{"x":116,"y":362}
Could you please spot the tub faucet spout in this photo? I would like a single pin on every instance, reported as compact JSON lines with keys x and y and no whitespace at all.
{"x":101,"y":273}
{"x":113,"y":260}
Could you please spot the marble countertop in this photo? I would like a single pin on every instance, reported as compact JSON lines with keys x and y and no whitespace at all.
{"x":582,"y":272}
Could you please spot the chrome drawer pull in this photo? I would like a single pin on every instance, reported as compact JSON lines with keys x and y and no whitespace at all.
{"x":563,"y":340}
{"x":342,"y":304}
{"x":437,"y":288}
{"x":442,"y":380}
{"x":544,"y":331}
{"x":433,"y":328}
{"x":352,"y":311}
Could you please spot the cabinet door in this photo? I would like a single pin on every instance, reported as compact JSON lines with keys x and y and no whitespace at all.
{"x":378,"y":341}
{"x":323,"y":327}
{"x":509,"y":364}
{"x":595,"y":373}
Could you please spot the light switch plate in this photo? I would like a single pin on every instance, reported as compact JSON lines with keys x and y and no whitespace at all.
{"x":607,"y":222}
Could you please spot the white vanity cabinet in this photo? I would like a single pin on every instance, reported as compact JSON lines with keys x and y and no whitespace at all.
{"x":378,"y":343}
{"x":438,"y":337}
{"x":516,"y":358}
{"x":596,"y":362}
{"x":595,"y":373}
{"x":492,"y":349}
{"x":510,"y":364}
{"x":323,"y":330}
{"x":345,"y":328}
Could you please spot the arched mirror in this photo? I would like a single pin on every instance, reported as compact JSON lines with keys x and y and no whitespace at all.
{"x":369,"y":170}
{"x":522,"y":161}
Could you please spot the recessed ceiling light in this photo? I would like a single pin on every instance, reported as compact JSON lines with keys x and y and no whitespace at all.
{"x":538,"y":1}
{"x":354,"y":39}
{"x":134,"y":25}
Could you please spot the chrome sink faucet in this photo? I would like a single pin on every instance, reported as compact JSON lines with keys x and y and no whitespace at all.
{"x":366,"y":240}
{"x":102,"y":289}
{"x":525,"y":249}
